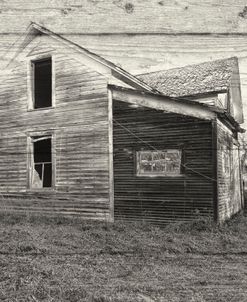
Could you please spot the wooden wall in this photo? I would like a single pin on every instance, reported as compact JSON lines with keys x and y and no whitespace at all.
{"x":229,"y":184}
{"x":161,"y":199}
{"x":79,"y":123}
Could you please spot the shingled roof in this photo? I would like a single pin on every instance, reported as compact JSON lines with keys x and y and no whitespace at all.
{"x":214,"y":76}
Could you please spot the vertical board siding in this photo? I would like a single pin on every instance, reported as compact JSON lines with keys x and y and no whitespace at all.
{"x":229,"y":186}
{"x":79,"y":123}
{"x":161,"y":199}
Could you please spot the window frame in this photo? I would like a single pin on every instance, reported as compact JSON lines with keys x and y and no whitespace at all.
{"x":227,"y":154}
{"x":30,"y":79}
{"x":30,"y":136}
{"x":150,"y":175}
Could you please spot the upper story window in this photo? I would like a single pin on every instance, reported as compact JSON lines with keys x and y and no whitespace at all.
{"x":42,"y":83}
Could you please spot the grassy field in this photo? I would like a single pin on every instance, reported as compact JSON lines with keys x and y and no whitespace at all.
{"x":56,"y":259}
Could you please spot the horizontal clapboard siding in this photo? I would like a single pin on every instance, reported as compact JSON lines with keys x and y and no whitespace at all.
{"x":79,"y":124}
{"x":161,"y":199}
{"x":229,"y":185}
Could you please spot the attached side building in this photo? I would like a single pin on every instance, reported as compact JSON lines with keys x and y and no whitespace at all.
{"x":173,"y":159}
{"x":80,"y":136}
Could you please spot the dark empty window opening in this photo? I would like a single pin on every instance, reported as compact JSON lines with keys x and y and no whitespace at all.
{"x":42,"y":162}
{"x":42,"y":83}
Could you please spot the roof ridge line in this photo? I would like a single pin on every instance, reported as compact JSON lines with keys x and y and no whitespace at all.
{"x":182,"y":67}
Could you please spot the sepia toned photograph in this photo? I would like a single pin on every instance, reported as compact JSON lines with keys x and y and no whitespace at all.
{"x":123,"y":151}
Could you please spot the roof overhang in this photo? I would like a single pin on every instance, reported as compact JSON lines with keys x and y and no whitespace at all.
{"x":230,"y":122}
{"x":166,"y":104}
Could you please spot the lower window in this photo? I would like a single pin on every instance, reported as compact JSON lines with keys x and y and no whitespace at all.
{"x":159,"y":163}
{"x":41,"y":162}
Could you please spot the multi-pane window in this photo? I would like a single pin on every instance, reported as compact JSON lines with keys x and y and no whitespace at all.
{"x":159,"y":163}
{"x":42,"y":83}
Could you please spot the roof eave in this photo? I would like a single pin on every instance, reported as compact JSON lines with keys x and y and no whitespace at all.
{"x":231,"y":122}
{"x":204,"y":112}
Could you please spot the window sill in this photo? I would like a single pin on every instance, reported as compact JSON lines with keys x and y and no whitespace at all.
{"x":161,"y":176}
{"x":39,"y":190}
{"x":39,"y":109}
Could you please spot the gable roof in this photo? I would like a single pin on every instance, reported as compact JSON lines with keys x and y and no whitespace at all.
{"x":214,"y":76}
{"x":35,"y":29}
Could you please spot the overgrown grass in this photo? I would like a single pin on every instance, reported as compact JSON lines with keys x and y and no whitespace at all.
{"x":59,"y":259}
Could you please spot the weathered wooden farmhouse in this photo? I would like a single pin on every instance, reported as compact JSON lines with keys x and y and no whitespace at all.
{"x":81,"y":136}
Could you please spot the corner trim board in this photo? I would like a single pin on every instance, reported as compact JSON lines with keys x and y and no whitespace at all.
{"x":111,"y":173}
{"x":215,"y":170}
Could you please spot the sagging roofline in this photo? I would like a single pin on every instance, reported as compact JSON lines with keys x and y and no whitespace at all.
{"x":174,"y":105}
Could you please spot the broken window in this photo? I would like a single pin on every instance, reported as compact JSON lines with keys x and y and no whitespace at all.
{"x":41,"y":166}
{"x":159,"y":163}
{"x":42,"y":83}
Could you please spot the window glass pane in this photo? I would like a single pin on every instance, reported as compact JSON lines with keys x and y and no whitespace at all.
{"x":146,"y":156}
{"x":159,"y":166}
{"x":37,"y":176}
{"x":173,"y":160}
{"x":38,"y":169}
{"x":145,"y":165}
{"x":158,"y":155}
{"x":163,"y":155}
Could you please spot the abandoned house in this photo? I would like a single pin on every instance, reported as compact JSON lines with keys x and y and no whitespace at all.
{"x":81,"y":136}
